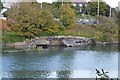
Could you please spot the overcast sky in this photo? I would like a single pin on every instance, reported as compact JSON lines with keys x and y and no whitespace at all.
{"x":112,"y":3}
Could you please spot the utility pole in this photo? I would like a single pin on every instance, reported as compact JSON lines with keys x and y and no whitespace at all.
{"x":62,"y":2}
{"x":41,"y":5}
{"x":98,"y":7}
{"x":110,"y":10}
{"x":85,"y":10}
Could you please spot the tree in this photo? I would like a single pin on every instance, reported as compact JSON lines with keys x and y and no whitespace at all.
{"x":56,"y":4}
{"x":118,"y":22}
{"x":103,"y":8}
{"x":51,"y":8}
{"x":28,"y":20}
{"x":1,"y":5}
{"x":77,"y":8}
{"x":4,"y":25}
{"x":107,"y":10}
{"x":67,"y":16}
{"x":93,"y":8}
{"x":118,"y":17}
{"x":49,"y":26}
{"x":24,"y":21}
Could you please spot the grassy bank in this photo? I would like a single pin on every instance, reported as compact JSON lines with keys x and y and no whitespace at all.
{"x":10,"y":36}
{"x":106,"y":30}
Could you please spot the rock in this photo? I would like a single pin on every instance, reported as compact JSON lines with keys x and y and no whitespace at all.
{"x":57,"y":41}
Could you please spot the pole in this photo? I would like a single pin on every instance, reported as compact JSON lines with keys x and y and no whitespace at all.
{"x":110,"y":10}
{"x":98,"y":7}
{"x":85,"y":10}
{"x":62,"y":2}
{"x":41,"y":5}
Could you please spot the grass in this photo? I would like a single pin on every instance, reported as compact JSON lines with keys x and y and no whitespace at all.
{"x":106,"y":30}
{"x":84,"y":16}
{"x":77,"y":31}
{"x":10,"y":36}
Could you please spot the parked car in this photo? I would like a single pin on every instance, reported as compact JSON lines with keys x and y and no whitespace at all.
{"x":85,"y":21}
{"x":95,"y":22}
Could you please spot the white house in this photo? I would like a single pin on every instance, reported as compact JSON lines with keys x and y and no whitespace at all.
{"x":80,"y":3}
{"x":119,"y":5}
{"x":8,"y":3}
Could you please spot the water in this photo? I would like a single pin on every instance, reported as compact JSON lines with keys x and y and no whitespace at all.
{"x":61,"y":62}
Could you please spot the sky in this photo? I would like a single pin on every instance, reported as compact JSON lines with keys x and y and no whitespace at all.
{"x":112,"y":3}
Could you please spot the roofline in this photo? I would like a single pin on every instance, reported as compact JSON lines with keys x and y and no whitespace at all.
{"x":79,"y":2}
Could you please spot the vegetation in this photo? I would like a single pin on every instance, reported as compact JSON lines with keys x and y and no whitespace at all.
{"x":118,"y":18}
{"x":5,"y":26}
{"x":93,"y":8}
{"x":10,"y":36}
{"x":30,"y":21}
{"x":118,"y":22}
{"x":67,"y":16}
{"x":106,"y":30}
{"x":33,"y":21}
{"x":1,"y":5}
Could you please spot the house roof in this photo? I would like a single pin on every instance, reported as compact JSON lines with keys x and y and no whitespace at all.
{"x":79,"y":1}
{"x":73,"y":1}
{"x":119,"y":5}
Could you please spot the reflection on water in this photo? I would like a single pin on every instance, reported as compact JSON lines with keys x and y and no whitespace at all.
{"x":61,"y":62}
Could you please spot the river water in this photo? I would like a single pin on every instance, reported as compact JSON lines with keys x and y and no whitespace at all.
{"x":61,"y":62}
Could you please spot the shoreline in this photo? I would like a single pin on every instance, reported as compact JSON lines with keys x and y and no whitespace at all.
{"x":11,"y":49}
{"x":11,"y":44}
{"x":67,"y":41}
